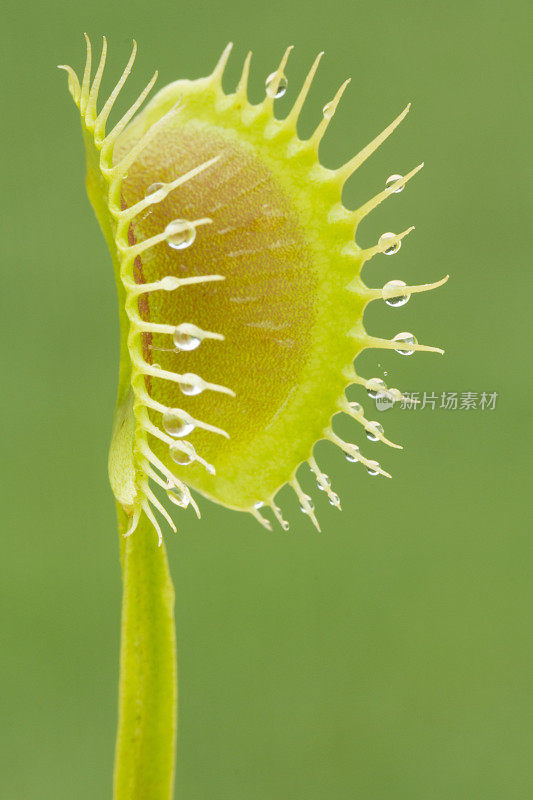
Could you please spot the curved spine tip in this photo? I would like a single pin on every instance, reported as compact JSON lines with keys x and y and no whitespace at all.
{"x":354,"y":163}
{"x":90,"y":111}
{"x":86,"y":76}
{"x":377,"y":294}
{"x":113,"y":135}
{"x":331,"y":107}
{"x":218,"y":72}
{"x":268,"y":102}
{"x":305,"y":502}
{"x":242,"y":86}
{"x":100,"y":122}
{"x":265,"y":523}
{"x":374,"y":342}
{"x":73,"y":82}
{"x":294,"y":113}
{"x":367,"y":425}
{"x":363,"y":211}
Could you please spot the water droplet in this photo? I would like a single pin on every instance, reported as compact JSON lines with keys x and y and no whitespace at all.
{"x":191,"y":384}
{"x":277,"y":511}
{"x":169,"y":283}
{"x":180,"y":233}
{"x":309,"y":506}
{"x":259,"y":504}
{"x":392,"y":179}
{"x":334,"y":500}
{"x":178,"y":495}
{"x":405,"y":338}
{"x":357,"y":408}
{"x":353,"y":457}
{"x":180,"y":455}
{"x":372,"y":468}
{"x":153,"y":190}
{"x":324,"y":483}
{"x":391,"y":295}
{"x":392,"y":247}
{"x":373,"y":428}
{"x":375,"y":387}
{"x":156,"y":365}
{"x":394,"y":395}
{"x":274,"y":88}
{"x":176,"y":424}
{"x":329,"y":110}
{"x":185,"y":341}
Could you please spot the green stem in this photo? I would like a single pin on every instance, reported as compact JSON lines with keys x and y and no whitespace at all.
{"x":146,"y":738}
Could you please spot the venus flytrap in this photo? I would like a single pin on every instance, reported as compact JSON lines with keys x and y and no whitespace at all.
{"x":241,"y":309}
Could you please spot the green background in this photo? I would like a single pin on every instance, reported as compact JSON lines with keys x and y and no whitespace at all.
{"x":390,"y":657}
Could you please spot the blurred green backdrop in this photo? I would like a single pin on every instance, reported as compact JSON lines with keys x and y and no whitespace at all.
{"x":389,"y":658}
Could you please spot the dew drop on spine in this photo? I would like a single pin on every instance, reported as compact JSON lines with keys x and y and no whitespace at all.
{"x":184,"y":340}
{"x":180,"y":455}
{"x":275,"y":89}
{"x":373,"y":429}
{"x":306,"y":504}
{"x":391,"y":180}
{"x":405,"y":338}
{"x":191,"y":384}
{"x":178,"y":495}
{"x":353,"y":458}
{"x":393,"y":295}
{"x":175,"y":424}
{"x":386,"y":241}
{"x":154,"y":191}
{"x":180,"y":234}
{"x":376,"y":387}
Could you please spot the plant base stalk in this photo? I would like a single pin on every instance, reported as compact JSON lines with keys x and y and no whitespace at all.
{"x":147,"y":710}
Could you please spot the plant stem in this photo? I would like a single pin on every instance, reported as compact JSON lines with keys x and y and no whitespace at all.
{"x":147,"y":715}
